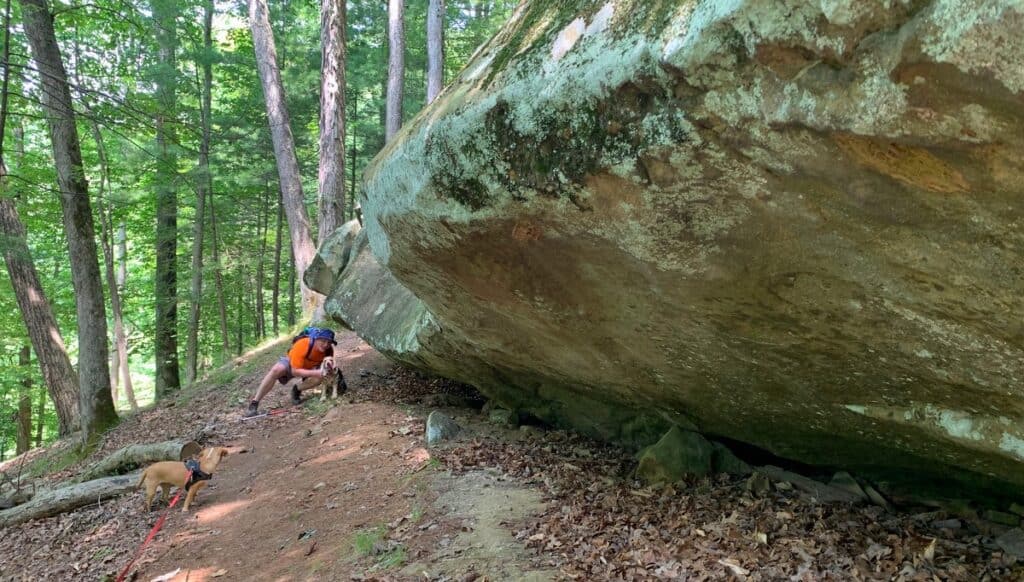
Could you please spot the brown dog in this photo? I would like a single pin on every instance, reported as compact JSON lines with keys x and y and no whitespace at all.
{"x":167,"y":473}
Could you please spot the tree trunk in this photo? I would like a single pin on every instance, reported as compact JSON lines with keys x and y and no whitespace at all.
{"x":202,"y":179}
{"x":291,"y":291}
{"x":121,"y":256}
{"x":57,"y":501}
{"x":40,"y":417}
{"x":262,"y":224}
{"x":396,"y":67}
{"x":277,"y":267}
{"x":108,"y":254}
{"x":35,"y":310}
{"x":218,"y":281}
{"x":24,"y":440}
{"x":120,"y":335}
{"x":435,"y":48}
{"x":240,"y":285}
{"x":95,"y":405}
{"x":132,"y":456}
{"x":352,"y":162}
{"x":61,"y":379}
{"x":119,"y":357}
{"x":165,"y":14}
{"x":332,"y":118}
{"x":284,"y":144}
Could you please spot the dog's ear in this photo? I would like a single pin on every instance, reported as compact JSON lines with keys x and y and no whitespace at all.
{"x":223,"y":452}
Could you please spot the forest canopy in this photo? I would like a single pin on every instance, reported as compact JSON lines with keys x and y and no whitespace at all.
{"x":135,"y":72}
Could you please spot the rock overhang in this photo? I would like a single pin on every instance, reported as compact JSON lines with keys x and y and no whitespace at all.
{"x":791,"y":224}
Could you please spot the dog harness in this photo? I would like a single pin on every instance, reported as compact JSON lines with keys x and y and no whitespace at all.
{"x":196,"y":475}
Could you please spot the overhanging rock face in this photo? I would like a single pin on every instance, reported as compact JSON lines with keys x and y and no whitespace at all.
{"x":798,"y":225}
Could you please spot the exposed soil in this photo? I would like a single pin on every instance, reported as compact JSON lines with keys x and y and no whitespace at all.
{"x":346,"y":490}
{"x":330,"y":490}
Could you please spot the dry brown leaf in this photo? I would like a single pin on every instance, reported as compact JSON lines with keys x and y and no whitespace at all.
{"x":929,"y":552}
{"x":734,"y":567}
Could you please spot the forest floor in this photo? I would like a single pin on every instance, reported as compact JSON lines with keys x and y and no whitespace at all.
{"x":346,"y":490}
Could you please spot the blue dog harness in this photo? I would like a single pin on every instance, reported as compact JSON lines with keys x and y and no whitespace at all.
{"x":196,"y":475}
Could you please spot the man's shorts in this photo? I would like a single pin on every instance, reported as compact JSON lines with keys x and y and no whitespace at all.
{"x":287,"y":376}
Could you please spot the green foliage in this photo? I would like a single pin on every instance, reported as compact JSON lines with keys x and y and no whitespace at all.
{"x":109,"y":49}
{"x":370,"y":542}
{"x":366,"y":539}
{"x":392,"y":558}
{"x":416,"y":514}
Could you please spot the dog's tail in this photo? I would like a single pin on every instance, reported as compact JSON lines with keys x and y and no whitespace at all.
{"x":142,"y":478}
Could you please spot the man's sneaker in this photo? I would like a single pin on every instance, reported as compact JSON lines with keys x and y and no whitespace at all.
{"x":253,"y":410}
{"x":296,"y":395}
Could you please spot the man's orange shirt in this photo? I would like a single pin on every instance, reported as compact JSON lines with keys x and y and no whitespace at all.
{"x":297,"y":355}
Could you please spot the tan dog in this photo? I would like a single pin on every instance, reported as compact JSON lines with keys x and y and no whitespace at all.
{"x":167,"y":473}
{"x":332,"y":385}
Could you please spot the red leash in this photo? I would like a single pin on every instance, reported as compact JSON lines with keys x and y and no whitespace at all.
{"x":271,"y":412}
{"x":153,"y":532}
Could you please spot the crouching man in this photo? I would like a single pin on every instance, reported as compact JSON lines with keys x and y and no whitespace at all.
{"x":310,"y":360}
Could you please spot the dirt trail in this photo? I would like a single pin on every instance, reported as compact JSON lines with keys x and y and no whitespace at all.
{"x":318,"y":488}
{"x":330,"y":490}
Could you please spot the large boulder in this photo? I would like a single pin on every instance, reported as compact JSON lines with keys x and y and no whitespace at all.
{"x":679,"y":454}
{"x":795,"y":224}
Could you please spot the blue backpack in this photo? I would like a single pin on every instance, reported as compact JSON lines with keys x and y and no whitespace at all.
{"x":315,"y":333}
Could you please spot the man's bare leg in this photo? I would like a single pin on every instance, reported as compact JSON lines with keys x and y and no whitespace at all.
{"x":276,"y":372}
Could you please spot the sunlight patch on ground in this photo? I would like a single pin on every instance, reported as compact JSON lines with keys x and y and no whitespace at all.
{"x":192,"y":575}
{"x":418,"y":456}
{"x":219,"y":511}
{"x":332,"y":457}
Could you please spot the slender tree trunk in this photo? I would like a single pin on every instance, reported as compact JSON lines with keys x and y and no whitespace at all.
{"x":284,"y":144}
{"x":396,"y":67}
{"x":202,"y":179}
{"x":352,"y":162}
{"x":119,"y":357}
{"x":95,"y":405}
{"x":262,"y":225}
{"x":435,"y":48}
{"x":165,"y":13}
{"x":40,"y":417}
{"x":291,"y":291}
{"x":218,"y":281}
{"x":277,"y":267}
{"x":383,"y":105}
{"x":24,"y":440}
{"x":120,"y":335}
{"x":121,"y":256}
{"x":241,"y":310}
{"x":332,"y":118}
